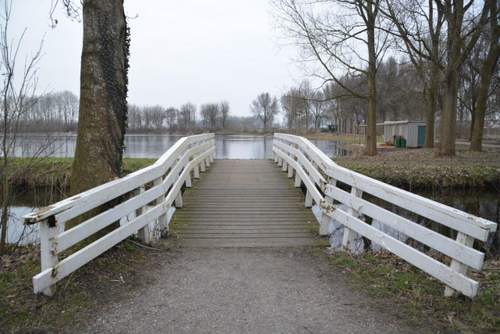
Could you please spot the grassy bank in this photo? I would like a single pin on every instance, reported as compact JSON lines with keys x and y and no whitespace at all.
{"x":421,"y":169}
{"x":113,"y":274}
{"x":418,"y":296}
{"x":55,"y":173}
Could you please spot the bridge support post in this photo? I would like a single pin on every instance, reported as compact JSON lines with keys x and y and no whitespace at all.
{"x":324,"y":223}
{"x":349,"y":235}
{"x":290,"y":172}
{"x":48,"y":250}
{"x":189,"y":183}
{"x":284,"y":167}
{"x":461,"y":268}
{"x":309,"y":201}
{"x":178,"y":201}
{"x":144,"y":234}
{"x":298,"y":181}
{"x":196,"y":172}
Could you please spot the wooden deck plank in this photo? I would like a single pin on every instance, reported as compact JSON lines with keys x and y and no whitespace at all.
{"x":245,"y":203}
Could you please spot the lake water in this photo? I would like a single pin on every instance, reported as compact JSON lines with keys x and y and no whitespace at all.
{"x":152,"y":146}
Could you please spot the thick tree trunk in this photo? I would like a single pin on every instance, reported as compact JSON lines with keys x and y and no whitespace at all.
{"x":103,"y":95}
{"x":430,"y":113}
{"x":448,"y":122}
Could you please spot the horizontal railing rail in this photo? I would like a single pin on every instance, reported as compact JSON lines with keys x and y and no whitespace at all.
{"x":141,"y":202}
{"x":339,"y":191}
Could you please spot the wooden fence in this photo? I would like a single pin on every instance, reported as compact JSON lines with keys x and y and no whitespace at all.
{"x":335,"y":188}
{"x":140,"y":202}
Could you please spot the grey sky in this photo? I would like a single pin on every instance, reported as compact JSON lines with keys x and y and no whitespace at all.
{"x":190,"y":50}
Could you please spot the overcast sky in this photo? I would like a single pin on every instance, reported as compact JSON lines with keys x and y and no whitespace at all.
{"x":190,"y":50}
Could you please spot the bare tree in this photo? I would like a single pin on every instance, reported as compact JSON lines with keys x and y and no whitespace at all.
{"x":334,"y":33}
{"x":265,"y":107}
{"x":210,"y":113}
{"x":463,"y":30}
{"x":420,"y":25}
{"x":187,"y":116}
{"x":171,"y":116}
{"x":486,"y":72}
{"x":224,"y":112}
{"x":18,"y":94}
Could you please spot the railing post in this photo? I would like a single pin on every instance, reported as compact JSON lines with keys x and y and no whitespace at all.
{"x":457,"y":266}
{"x":48,"y":249}
{"x":309,"y":200}
{"x":280,"y":161}
{"x":207,"y":161}
{"x":145,"y":233}
{"x":161,"y":226}
{"x":178,"y":200}
{"x":285,"y":164}
{"x":290,"y":172}
{"x":324,"y":224}
{"x":196,"y":172}
{"x":202,"y":166}
{"x":349,"y":235}
{"x":189,"y":183}
{"x":298,"y":181}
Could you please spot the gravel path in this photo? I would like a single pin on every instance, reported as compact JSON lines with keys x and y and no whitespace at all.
{"x":246,"y":290}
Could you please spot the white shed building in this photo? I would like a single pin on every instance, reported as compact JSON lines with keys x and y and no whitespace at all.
{"x":412,"y":131}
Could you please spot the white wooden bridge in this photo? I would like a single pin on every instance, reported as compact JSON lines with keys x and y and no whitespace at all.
{"x":251,"y":203}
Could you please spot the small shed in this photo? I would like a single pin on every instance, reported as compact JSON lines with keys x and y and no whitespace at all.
{"x":412,"y":131}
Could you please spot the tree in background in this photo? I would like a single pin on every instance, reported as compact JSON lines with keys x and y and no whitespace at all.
{"x":265,"y":107}
{"x":419,"y":25}
{"x":341,"y":36}
{"x":187,"y":116}
{"x":210,"y":114}
{"x":486,"y":74}
{"x":224,"y":112}
{"x":463,"y":30}
{"x":103,"y":94}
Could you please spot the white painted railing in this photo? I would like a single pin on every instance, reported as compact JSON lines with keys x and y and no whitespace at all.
{"x":320,"y":175}
{"x":142,"y":203}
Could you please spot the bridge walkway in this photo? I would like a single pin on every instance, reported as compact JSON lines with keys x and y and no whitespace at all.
{"x":245,"y":203}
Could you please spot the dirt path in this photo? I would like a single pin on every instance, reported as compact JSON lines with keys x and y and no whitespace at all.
{"x":247,"y":290}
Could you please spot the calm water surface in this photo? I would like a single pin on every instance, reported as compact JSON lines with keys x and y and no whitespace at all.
{"x":152,"y":146}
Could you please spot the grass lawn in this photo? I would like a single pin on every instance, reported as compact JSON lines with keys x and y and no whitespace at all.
{"x":421,"y":168}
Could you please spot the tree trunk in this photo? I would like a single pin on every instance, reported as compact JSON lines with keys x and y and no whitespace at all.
{"x":371,"y":131}
{"x":487,"y":71}
{"x":448,"y":122}
{"x":430,"y":114}
{"x":103,"y":95}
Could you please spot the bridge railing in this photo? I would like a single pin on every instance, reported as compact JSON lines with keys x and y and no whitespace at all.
{"x":353,"y":199}
{"x":141,"y":202}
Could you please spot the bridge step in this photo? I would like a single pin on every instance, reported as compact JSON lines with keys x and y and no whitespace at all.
{"x":245,"y":203}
